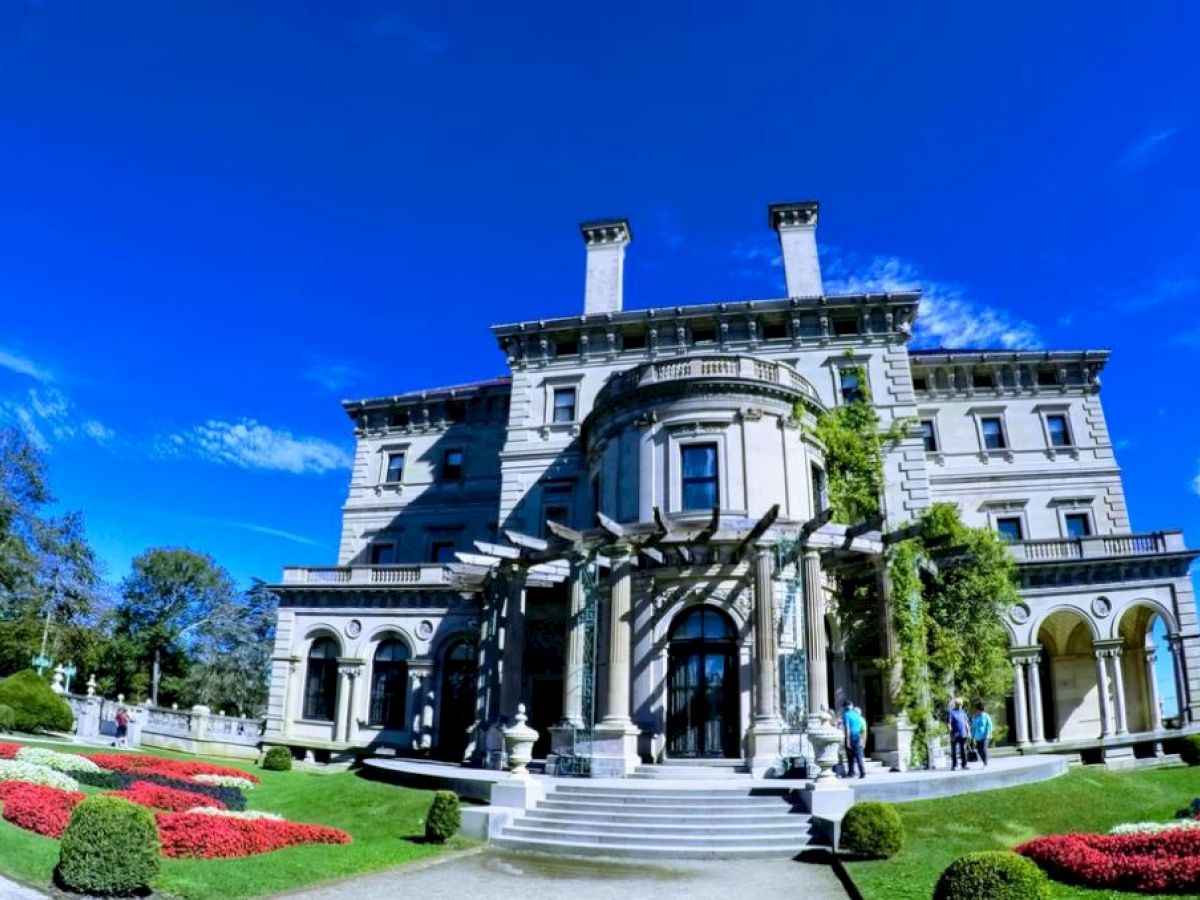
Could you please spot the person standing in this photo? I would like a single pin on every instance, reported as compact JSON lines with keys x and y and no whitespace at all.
{"x":960,"y":731}
{"x":122,"y":719}
{"x":856,"y":733}
{"x":981,"y":732}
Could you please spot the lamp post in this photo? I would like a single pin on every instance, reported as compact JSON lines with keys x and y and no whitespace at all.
{"x":69,"y":671}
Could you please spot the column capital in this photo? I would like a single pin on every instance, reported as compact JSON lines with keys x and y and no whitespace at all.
{"x":1025,"y":655}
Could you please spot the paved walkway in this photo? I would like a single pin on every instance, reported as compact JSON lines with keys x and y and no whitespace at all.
{"x":496,"y":875}
{"x":10,"y":890}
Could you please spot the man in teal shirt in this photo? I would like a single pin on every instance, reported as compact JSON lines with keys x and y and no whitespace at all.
{"x":856,"y":732}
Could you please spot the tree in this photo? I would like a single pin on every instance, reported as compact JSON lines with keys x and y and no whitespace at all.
{"x":231,"y":654}
{"x":170,"y":592}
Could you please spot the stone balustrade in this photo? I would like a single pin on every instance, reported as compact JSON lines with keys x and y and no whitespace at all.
{"x":421,"y":575}
{"x":705,"y":366}
{"x":1098,"y":546}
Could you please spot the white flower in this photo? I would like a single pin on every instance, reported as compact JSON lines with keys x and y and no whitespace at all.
{"x":242,"y":784}
{"x":1154,"y":827}
{"x":52,"y":759}
{"x":232,"y":814}
{"x":20,"y":770}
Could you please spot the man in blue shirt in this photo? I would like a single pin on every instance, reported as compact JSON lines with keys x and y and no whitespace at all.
{"x":856,"y":733}
{"x":960,"y":731}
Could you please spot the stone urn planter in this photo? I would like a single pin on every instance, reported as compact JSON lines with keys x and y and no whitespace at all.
{"x":519,"y":739}
{"x":826,"y":738}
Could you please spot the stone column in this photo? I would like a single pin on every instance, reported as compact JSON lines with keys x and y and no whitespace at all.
{"x":1119,"y":689}
{"x":1106,"y":729}
{"x":814,"y":626}
{"x":1175,"y":642}
{"x":1035,"y":700}
{"x":427,"y":700}
{"x":343,"y":726}
{"x":1020,"y":703}
{"x":1152,"y":689}
{"x":615,"y":750}
{"x":887,"y":636}
{"x":766,"y":703}
{"x":573,"y":664}
{"x":512,"y":671}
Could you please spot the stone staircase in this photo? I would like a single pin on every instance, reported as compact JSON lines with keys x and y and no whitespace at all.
{"x":646,"y":822}
{"x":685,"y":769}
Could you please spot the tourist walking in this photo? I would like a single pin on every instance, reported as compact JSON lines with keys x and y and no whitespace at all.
{"x":856,"y":733}
{"x":981,"y":732}
{"x":960,"y":731}
{"x":122,"y":719}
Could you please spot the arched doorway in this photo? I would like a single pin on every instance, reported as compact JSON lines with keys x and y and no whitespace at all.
{"x":702,"y":686}
{"x":1069,"y":690}
{"x":457,"y":710}
{"x":1151,"y":686}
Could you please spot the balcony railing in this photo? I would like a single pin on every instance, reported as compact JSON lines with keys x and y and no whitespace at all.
{"x":1098,"y":546}
{"x":365,"y":576}
{"x":742,"y":367}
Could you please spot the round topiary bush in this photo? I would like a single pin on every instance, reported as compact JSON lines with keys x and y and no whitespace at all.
{"x":277,"y":759}
{"x":444,"y":817}
{"x":34,"y":706}
{"x":1189,"y":749}
{"x":110,"y":848}
{"x":995,"y":874}
{"x":873,"y":829}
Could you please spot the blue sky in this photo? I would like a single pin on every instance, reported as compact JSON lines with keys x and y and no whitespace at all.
{"x":219,"y":219}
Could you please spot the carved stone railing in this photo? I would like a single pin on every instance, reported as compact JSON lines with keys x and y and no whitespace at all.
{"x":745,"y":368}
{"x":235,"y":730}
{"x":360,"y":576}
{"x":1098,"y":546}
{"x":167,"y":721}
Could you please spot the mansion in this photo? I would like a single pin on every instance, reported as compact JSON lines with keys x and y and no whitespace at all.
{"x":628,"y":534}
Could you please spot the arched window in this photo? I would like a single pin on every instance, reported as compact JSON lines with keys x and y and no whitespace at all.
{"x":389,"y":683}
{"x":320,"y":687}
{"x":457,"y":700}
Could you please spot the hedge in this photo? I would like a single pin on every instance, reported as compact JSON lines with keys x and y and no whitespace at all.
{"x":873,"y":829}
{"x":34,"y":705}
{"x":110,"y":847}
{"x":992,"y":874}
{"x":277,"y":759}
{"x":444,"y":817}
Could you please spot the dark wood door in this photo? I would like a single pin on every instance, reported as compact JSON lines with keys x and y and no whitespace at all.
{"x":702,"y":700}
{"x":457,"y":702}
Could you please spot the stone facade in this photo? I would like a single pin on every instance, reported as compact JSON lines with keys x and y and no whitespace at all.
{"x":454,"y":600}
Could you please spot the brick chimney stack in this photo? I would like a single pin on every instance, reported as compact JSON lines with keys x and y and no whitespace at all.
{"x":797,"y":227}
{"x":605,"y":240}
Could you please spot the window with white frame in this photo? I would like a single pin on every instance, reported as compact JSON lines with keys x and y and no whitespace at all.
{"x":851,"y":383}
{"x":929,"y":436}
{"x":383,"y":553}
{"x":393,"y":472}
{"x":564,"y":404}
{"x":1010,"y":528}
{"x":1058,"y":430}
{"x":991,"y":433}
{"x":699,"y":485}
{"x":452,"y":464}
{"x":1077,"y":524}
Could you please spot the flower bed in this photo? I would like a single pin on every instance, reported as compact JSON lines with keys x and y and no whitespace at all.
{"x":9,"y":751}
{"x":234,"y":814}
{"x":18,"y":770}
{"x":52,"y":759}
{"x":155,"y":796}
{"x":234,"y":781}
{"x":170,"y":768}
{"x":38,"y":808}
{"x":1153,"y":827}
{"x":1166,"y":861}
{"x":207,"y":836}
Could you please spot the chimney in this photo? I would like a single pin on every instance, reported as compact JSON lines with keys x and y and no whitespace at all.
{"x":605,"y":240}
{"x":797,"y":227}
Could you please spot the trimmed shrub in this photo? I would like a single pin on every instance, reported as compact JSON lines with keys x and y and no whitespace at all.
{"x":994,"y":874}
{"x":277,"y":759}
{"x":1189,"y":749}
{"x":444,"y":817}
{"x":35,"y":707}
{"x":872,"y":829}
{"x":110,"y":847}
{"x":8,"y":718}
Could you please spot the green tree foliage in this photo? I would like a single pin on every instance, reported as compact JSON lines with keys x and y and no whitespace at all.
{"x":34,"y":706}
{"x":853,"y":457}
{"x":168,"y":594}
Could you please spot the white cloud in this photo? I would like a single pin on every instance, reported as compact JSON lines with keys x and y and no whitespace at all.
{"x":947,"y":317}
{"x":331,"y":374}
{"x":252,"y":445}
{"x":47,"y":416}
{"x":246,"y":526}
{"x":1143,"y":151}
{"x":23,"y":365}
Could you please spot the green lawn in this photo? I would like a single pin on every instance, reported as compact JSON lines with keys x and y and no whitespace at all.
{"x":382,"y":819}
{"x":1085,"y":799}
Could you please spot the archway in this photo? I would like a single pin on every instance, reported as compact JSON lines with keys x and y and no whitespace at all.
{"x":1070,"y":694}
{"x":457,"y":698}
{"x":389,"y":684}
{"x":321,"y":680}
{"x":702,"y":686}
{"x":1147,"y":667}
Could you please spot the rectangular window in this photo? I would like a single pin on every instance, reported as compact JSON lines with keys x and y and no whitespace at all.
{"x":564,"y":404}
{"x":983,"y":380}
{"x":699,"y":476}
{"x":1010,"y":528}
{"x":634,"y":340}
{"x":992,"y":429}
{"x":395,"y":468}
{"x":920,"y":383}
{"x":452,"y":464}
{"x":819,"y":498}
{"x":851,"y":384}
{"x":929,"y":436}
{"x":1060,"y":433}
{"x":441,"y":551}
{"x":703,"y":334}
{"x":1079,"y":525}
{"x":775,"y":331}
{"x":383,"y":554}
{"x":844,"y":325}
{"x":400,"y":419}
{"x":1047,"y":377}
{"x":566,"y":348}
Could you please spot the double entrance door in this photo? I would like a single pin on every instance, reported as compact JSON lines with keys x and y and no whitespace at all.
{"x":702,"y":689}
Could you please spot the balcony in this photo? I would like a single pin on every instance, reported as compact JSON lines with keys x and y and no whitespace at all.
{"x":420,"y":575}
{"x":699,"y":367}
{"x":1099,"y":546}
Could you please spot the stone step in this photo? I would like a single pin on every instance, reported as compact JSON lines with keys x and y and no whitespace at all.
{"x":689,"y":772}
{"x":639,"y":830}
{"x":730,"y":817}
{"x":675,"y":840}
{"x":682,"y":794}
{"x":665,"y":807}
{"x":652,"y":849}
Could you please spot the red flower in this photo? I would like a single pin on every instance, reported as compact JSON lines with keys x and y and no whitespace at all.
{"x":202,"y":836}
{"x":171,"y":768}
{"x":1166,"y":861}
{"x":156,"y":796}
{"x":8,"y":750}
{"x":38,"y":808}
